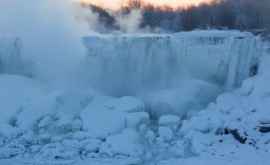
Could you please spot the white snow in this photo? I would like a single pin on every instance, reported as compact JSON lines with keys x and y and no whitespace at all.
{"x":168,"y":120}
{"x":165,"y":133}
{"x":113,"y":115}
{"x":101,"y":121}
{"x":181,"y":100}
{"x":126,"y":143}
{"x":15,"y":90}
{"x":184,"y":98}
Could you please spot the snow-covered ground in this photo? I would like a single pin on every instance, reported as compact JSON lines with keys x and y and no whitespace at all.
{"x":187,"y":98}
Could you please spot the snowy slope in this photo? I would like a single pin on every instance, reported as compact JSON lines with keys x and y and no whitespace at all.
{"x":172,"y":78}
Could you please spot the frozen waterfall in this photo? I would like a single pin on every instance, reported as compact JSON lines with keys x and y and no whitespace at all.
{"x":10,"y":55}
{"x":167,"y":71}
{"x":127,"y":64}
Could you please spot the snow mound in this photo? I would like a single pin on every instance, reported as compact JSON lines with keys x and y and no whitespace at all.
{"x":111,"y":116}
{"x":57,"y":112}
{"x":237,"y":123}
{"x":126,"y":143}
{"x":14,"y":91}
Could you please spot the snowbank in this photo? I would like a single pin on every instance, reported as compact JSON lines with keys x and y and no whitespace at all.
{"x":14,"y":91}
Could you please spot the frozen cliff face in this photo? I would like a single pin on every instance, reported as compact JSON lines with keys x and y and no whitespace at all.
{"x":134,"y":63}
{"x":10,"y":51}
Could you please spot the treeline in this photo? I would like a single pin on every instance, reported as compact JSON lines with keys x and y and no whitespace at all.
{"x":224,"y":14}
{"x":231,"y":14}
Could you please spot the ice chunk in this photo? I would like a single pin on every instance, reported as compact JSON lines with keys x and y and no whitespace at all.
{"x":168,"y":120}
{"x":126,"y":104}
{"x":165,"y":133}
{"x":55,"y":112}
{"x":16,"y":90}
{"x":91,"y":145}
{"x":110,"y":116}
{"x":134,"y":119}
{"x":102,"y":122}
{"x":126,"y":143}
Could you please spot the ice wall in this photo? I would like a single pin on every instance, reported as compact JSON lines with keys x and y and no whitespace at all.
{"x":10,"y":55}
{"x":132,"y":63}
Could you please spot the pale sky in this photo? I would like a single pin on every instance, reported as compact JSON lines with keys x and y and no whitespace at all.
{"x":115,"y":4}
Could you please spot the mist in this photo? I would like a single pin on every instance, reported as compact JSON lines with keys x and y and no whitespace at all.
{"x":50,"y":35}
{"x":114,"y":22}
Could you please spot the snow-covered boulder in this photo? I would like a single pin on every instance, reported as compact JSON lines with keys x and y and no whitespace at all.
{"x":168,"y":120}
{"x":106,"y":116}
{"x":14,"y":92}
{"x":101,"y":122}
{"x":54,"y":113}
{"x":126,"y":143}
{"x":135,"y":119}
{"x":126,"y":104}
{"x":165,"y":133}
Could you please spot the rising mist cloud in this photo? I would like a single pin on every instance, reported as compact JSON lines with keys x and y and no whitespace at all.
{"x":50,"y":35}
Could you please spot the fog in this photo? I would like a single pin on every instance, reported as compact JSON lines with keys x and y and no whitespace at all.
{"x":49,"y":32}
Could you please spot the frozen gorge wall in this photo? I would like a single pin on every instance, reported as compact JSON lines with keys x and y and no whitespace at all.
{"x":126,"y":64}
{"x":10,"y":55}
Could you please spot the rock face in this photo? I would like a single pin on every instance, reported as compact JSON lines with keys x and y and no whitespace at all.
{"x":132,"y":63}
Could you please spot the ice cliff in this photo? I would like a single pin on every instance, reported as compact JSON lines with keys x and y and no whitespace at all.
{"x":132,"y":63}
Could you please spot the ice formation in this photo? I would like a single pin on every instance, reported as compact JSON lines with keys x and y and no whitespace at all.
{"x":10,"y":55}
{"x":168,"y":71}
{"x":132,"y":63}
{"x":146,"y":105}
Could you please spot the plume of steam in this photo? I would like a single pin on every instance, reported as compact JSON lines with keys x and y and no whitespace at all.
{"x":131,"y":22}
{"x":85,"y":15}
{"x":49,"y":33}
{"x":105,"y":21}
